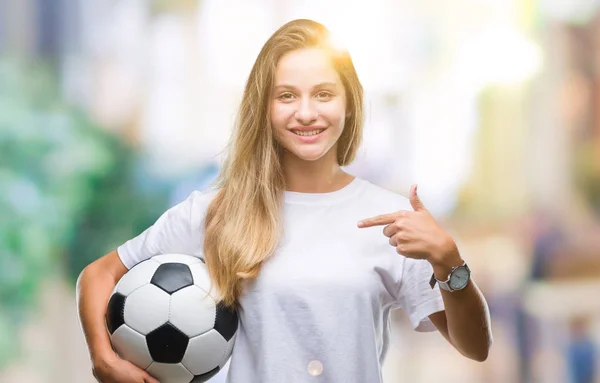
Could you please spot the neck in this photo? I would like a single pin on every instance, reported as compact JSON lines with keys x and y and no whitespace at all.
{"x":314,"y":176}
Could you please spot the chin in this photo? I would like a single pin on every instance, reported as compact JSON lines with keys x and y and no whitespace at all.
{"x":309,"y":154}
{"x":308,"y":157}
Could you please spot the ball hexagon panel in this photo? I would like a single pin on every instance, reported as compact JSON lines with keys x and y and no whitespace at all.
{"x":167,"y":344}
{"x":177,"y":258}
{"x":226,"y":322}
{"x":138,"y":276}
{"x":205,"y":377}
{"x":202,"y":278}
{"x":146,"y":309}
{"x":115,"y":311}
{"x":171,"y":277}
{"x":192,"y":311}
{"x":131,"y":346}
{"x":170,"y":373}
{"x":200,"y":356}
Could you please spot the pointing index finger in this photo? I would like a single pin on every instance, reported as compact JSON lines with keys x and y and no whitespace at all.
{"x":384,"y":219}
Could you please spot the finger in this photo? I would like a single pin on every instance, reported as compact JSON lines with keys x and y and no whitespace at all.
{"x":379,"y":220}
{"x":399,"y":238}
{"x":384,"y":219}
{"x":415,"y":201}
{"x":150,"y":379}
{"x":392,"y":229}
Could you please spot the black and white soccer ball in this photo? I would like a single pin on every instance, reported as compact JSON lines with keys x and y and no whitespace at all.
{"x":161,"y":318}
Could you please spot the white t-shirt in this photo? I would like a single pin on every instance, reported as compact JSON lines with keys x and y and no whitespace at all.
{"x":320,"y":309}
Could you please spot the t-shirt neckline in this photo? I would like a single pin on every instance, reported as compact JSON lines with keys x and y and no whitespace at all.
{"x":321,"y":198}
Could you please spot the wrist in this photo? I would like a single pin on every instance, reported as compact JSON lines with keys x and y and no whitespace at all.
{"x":445,"y":261}
{"x":102,"y":357}
{"x":442,"y":272}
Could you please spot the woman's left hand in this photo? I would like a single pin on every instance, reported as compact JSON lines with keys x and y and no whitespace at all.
{"x":416,"y":234}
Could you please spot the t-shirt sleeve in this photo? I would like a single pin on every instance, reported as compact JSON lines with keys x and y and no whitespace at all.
{"x":416,"y":296}
{"x":171,"y":233}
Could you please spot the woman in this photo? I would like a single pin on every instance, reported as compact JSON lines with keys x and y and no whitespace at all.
{"x":279,"y":235}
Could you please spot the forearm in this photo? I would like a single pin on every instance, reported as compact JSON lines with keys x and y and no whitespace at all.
{"x":468,"y":320}
{"x":467,"y":313}
{"x":94,"y":288}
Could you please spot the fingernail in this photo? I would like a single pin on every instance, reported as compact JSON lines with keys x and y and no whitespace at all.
{"x":360,"y":223}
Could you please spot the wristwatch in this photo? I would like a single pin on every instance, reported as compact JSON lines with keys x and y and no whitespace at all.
{"x":457,"y":280}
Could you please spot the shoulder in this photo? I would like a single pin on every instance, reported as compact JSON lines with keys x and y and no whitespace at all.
{"x":382,"y":197}
{"x":200,"y":198}
{"x":196,"y":205}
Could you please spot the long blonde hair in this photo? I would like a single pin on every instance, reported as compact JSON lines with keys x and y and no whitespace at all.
{"x":243,"y":222}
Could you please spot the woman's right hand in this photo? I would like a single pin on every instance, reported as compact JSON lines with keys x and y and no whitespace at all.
{"x":116,"y":370}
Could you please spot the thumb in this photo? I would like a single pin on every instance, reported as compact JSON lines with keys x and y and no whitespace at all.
{"x":415,"y":201}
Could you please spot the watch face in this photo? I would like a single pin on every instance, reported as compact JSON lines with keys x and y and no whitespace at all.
{"x":459,"y":278}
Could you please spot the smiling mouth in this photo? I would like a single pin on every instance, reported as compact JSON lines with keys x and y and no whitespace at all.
{"x":308,"y":134}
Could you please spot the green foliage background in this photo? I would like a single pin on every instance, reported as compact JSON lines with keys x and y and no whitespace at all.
{"x":69,"y":192}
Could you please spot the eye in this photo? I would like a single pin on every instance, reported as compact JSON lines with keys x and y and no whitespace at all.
{"x":324,"y":95}
{"x":286,"y":96}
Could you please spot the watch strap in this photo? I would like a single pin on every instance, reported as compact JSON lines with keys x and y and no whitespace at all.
{"x":445,"y":285}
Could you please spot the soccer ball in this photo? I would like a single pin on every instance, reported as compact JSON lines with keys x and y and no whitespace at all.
{"x":161,"y":318}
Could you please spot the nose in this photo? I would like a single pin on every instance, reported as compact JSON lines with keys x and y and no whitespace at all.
{"x":306,"y":112}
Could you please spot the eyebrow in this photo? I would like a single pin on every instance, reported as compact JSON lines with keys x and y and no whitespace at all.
{"x":320,"y":85}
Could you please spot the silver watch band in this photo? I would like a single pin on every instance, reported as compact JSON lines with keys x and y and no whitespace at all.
{"x":445,"y":285}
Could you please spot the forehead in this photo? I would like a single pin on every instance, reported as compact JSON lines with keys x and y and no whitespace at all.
{"x":305,"y":66}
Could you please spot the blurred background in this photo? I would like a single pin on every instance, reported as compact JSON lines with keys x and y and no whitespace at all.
{"x":113,"y":111}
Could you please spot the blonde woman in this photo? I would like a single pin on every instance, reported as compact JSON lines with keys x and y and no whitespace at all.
{"x":280,"y":236}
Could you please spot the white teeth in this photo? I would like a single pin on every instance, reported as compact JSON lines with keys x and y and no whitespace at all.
{"x":311,"y":133}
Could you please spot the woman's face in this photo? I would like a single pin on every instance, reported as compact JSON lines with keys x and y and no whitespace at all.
{"x":308,"y":98}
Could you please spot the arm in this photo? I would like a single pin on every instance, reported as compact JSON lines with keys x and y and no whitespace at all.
{"x":465,"y":323}
{"x":94,"y":287}
{"x":171,"y":233}
{"x":416,"y":234}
